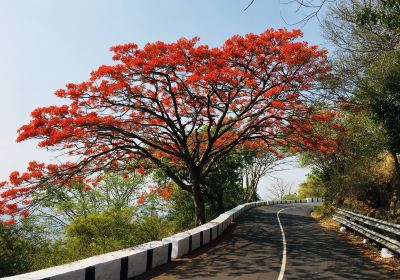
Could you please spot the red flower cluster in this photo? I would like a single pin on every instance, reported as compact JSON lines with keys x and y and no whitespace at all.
{"x":179,"y":106}
{"x":9,"y":222}
{"x":165,"y":191}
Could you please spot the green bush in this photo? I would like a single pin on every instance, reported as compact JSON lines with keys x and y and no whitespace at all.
{"x":99,"y":233}
{"x":23,"y":247}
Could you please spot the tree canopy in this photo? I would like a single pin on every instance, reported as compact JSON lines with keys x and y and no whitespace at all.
{"x":180,"y":106}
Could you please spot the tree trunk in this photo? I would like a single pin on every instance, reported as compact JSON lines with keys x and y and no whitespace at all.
{"x":395,"y":198}
{"x":220,"y":203}
{"x":251,"y":187}
{"x":200,"y":216}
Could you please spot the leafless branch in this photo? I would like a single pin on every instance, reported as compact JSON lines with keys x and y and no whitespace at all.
{"x":248,"y":6}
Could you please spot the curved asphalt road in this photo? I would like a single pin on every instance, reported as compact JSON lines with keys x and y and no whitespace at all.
{"x":252,"y":249}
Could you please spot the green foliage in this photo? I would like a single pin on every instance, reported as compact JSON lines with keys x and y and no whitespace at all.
{"x":15,"y":252}
{"x":23,"y":247}
{"x":324,"y":211}
{"x":223,"y":187}
{"x":81,"y":223}
{"x":367,"y":67}
{"x":181,"y":210}
{"x":313,"y":186}
{"x":381,"y":91}
{"x":153,"y":228}
{"x":292,"y":196}
{"x":355,"y":169}
{"x":380,"y":12}
{"x":115,"y":191}
{"x":85,"y":236}
{"x":98,"y":233}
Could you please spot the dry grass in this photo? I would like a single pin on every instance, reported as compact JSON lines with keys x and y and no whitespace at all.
{"x":325,"y":222}
{"x":369,"y":250}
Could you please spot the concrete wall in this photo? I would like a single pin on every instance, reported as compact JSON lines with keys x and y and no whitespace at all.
{"x":121,"y":264}
{"x":127,"y":263}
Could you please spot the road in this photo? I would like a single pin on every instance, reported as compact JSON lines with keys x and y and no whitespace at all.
{"x":253,"y":248}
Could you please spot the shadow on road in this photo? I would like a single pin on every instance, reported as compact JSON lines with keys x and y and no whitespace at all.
{"x":315,"y":253}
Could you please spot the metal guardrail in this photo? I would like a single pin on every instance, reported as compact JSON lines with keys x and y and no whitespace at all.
{"x":379,"y":231}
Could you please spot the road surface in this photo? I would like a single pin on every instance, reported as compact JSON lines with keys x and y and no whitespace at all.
{"x":253,"y":248}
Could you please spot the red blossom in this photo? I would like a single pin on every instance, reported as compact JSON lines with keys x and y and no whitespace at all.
{"x":26,"y":201}
{"x":9,"y":221}
{"x":178,"y":106}
{"x":24,"y":213}
{"x":141,"y":199}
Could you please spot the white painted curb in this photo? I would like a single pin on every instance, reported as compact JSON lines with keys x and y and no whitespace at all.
{"x":121,"y":264}
{"x":131,"y":262}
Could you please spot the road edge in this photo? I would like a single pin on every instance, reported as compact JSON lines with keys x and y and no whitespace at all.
{"x":368,"y":250}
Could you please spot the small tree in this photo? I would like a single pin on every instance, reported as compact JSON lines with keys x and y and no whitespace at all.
{"x":311,"y":187}
{"x":257,"y":165}
{"x":381,"y":93}
{"x":182,"y":107}
{"x":223,"y":186}
{"x":114,"y":192}
{"x":279,"y":189}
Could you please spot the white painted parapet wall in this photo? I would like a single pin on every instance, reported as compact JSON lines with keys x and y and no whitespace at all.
{"x":131,"y":262}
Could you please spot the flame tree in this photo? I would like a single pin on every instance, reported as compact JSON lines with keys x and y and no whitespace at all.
{"x":180,"y":107}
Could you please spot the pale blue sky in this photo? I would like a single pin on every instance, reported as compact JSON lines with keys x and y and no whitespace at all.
{"x":48,"y":43}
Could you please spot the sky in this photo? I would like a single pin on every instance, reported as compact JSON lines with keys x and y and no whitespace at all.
{"x":46,"y":44}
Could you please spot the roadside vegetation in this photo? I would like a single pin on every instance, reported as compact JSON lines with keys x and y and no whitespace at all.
{"x":121,"y":212}
{"x":364,"y":173}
